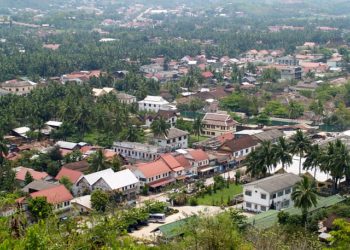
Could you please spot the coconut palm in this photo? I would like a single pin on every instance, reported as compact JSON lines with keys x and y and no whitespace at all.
{"x":282,"y":153}
{"x":98,"y":161}
{"x":255,"y":165}
{"x":160,"y":127}
{"x":313,"y":159}
{"x":197,"y":127}
{"x":261,"y":160}
{"x":267,"y":155}
{"x":304,"y":196}
{"x":300,"y":144}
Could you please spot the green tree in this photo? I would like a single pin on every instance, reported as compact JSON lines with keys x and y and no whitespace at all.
{"x":340,"y":235}
{"x":304,"y":196}
{"x":98,"y":161}
{"x":99,"y":200}
{"x":28,"y":178}
{"x":282,"y":152}
{"x":295,"y":110}
{"x":160,"y":127}
{"x":300,"y":144}
{"x":39,"y":208}
{"x":66,"y":182}
{"x":197,"y":127}
{"x":313,"y":158}
{"x":3,"y":151}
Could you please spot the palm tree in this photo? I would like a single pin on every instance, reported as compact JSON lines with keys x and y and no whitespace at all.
{"x":282,"y":153}
{"x":98,"y":161}
{"x":304,"y":196}
{"x":313,"y":158}
{"x":300,"y":144}
{"x":197,"y":126}
{"x":160,"y":127}
{"x":267,"y":155}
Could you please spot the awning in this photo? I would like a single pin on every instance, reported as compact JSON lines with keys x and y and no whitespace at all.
{"x":161,"y":182}
{"x":207,"y":169}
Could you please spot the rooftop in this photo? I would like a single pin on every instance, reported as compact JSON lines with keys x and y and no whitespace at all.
{"x":54,"y":195}
{"x":66,"y":145}
{"x":275,"y":183}
{"x":72,"y":175}
{"x":138,"y":146}
{"x":21,"y":173}
{"x":154,"y":168}
{"x":38,"y":185}
{"x":269,"y":135}
{"x":173,"y":133}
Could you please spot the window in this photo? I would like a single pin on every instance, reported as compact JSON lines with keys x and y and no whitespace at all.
{"x":248,"y":204}
{"x":280,"y":193}
{"x":263,"y":196}
{"x":287,"y":191}
{"x":274,"y":196}
{"x":286,"y":203}
{"x":262,"y":208}
{"x":248,"y":193}
{"x":247,"y":150}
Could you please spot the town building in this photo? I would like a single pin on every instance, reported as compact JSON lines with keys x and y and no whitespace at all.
{"x":126,"y":98}
{"x":291,"y":73}
{"x":18,"y":87}
{"x":138,"y":151}
{"x":273,"y":192}
{"x":215,"y":124}
{"x":36,"y":175}
{"x":58,"y":196}
{"x":168,"y":115}
{"x":155,"y":174}
{"x":152,"y":103}
{"x":123,"y":181}
{"x":174,"y":139}
{"x":288,"y":60}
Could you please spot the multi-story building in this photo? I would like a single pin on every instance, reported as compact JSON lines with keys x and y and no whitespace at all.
{"x":152,"y":103}
{"x":291,"y":73}
{"x":174,"y":139}
{"x":215,"y":124}
{"x":18,"y":87}
{"x":138,"y":151}
{"x":273,"y":192}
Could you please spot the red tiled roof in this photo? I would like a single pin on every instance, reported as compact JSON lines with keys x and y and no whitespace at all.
{"x":54,"y":195}
{"x":72,"y":175}
{"x":161,"y":182}
{"x":81,"y":166}
{"x":153,"y":168}
{"x":21,"y":174}
{"x":198,"y":155}
{"x":236,"y":145}
{"x":85,"y":149}
{"x":225,"y":137}
{"x":183,"y":161}
{"x":170,"y":161}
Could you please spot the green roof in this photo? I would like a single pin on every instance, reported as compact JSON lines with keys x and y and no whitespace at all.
{"x":173,"y":229}
{"x":269,"y":218}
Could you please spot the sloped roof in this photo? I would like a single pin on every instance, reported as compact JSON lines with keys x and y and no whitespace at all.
{"x":21,"y":174}
{"x":173,"y":133}
{"x":236,"y":145}
{"x":198,"y":155}
{"x":54,"y":195}
{"x":72,"y":175}
{"x":183,"y":161}
{"x":38,"y":185}
{"x":66,"y":145}
{"x":81,"y":166}
{"x":120,"y":179}
{"x":218,"y":119}
{"x":153,"y":168}
{"x":170,"y":160}
{"x":92,"y":178}
{"x":269,"y":135}
{"x":276,"y":182}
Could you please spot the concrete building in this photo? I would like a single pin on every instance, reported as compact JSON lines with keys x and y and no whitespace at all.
{"x":18,"y":87}
{"x":152,"y":103}
{"x":273,"y":192}
{"x":138,"y":151}
{"x":215,"y":124}
{"x":175,"y":139}
{"x":291,"y":73}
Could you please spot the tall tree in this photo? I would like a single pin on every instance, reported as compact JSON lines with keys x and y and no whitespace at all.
{"x":300,"y":144}
{"x":313,"y":158}
{"x":304,"y":196}
{"x":98,"y":161}
{"x":197,"y":127}
{"x":160,"y":127}
{"x":3,"y":151}
{"x":282,"y":152}
{"x":28,"y":178}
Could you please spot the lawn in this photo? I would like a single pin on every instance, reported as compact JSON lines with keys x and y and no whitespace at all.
{"x":221,"y":196}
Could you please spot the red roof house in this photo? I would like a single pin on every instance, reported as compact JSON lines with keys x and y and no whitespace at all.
{"x":72,"y":175}
{"x":21,"y":174}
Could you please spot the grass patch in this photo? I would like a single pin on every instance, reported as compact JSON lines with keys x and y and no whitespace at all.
{"x":221,"y":196}
{"x":194,"y":138}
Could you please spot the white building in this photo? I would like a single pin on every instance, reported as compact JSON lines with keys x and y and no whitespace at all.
{"x":175,"y":139}
{"x":152,"y":103}
{"x":137,"y":151}
{"x":123,"y":181}
{"x":271,"y":192}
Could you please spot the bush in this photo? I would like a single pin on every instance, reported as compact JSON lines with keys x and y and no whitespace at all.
{"x":193,"y":201}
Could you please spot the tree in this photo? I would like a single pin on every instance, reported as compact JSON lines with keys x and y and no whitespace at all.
{"x":3,"y":151}
{"x":160,"y":127}
{"x":261,"y":160}
{"x":28,"y":178}
{"x":295,"y":110}
{"x":313,"y":158}
{"x":340,"y":235}
{"x":39,"y":208}
{"x":304,"y":196}
{"x":99,"y":200}
{"x":197,"y":127}
{"x":282,"y":152}
{"x":66,"y":182}
{"x":98,"y":161}
{"x":300,"y":144}
{"x":55,"y":154}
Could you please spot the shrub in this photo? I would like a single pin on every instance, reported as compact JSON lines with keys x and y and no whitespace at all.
{"x":193,"y":201}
